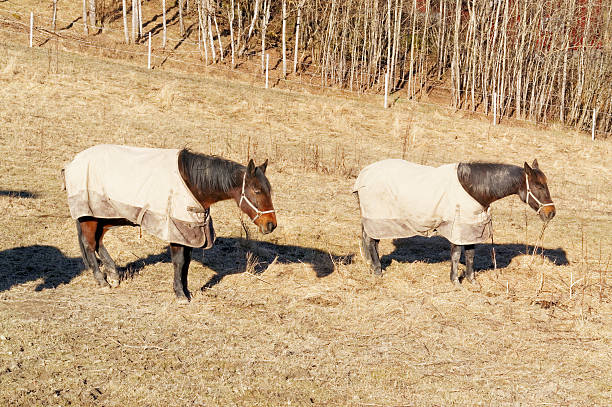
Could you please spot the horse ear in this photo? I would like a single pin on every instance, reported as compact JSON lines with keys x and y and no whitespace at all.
{"x":251,"y":168}
{"x":535,"y":164}
{"x":264,"y":166}
{"x":527,"y":168}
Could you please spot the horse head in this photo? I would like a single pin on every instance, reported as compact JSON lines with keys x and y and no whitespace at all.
{"x":535,"y":192}
{"x":256,"y":197}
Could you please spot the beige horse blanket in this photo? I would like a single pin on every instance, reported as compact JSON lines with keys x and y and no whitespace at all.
{"x":142,"y":185}
{"x":401,"y":199}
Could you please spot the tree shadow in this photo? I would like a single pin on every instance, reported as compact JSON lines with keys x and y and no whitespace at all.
{"x":18,"y":193}
{"x":229,"y":256}
{"x":437,"y":250}
{"x":20,"y":265}
{"x":69,"y":26}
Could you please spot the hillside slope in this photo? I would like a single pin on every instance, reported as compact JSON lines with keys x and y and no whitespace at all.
{"x":294,"y":316}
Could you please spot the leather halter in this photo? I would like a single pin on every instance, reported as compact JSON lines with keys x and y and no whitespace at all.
{"x":244,"y":197}
{"x":529,"y":193}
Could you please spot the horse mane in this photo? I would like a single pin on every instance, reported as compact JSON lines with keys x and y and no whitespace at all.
{"x":487,"y":182}
{"x":210,"y":172}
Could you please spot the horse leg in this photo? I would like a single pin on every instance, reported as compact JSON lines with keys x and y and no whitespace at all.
{"x":181,"y":257}
{"x":469,"y":263}
{"x":110,"y":268}
{"x":87,"y":242}
{"x":369,"y":251}
{"x":455,"y":256}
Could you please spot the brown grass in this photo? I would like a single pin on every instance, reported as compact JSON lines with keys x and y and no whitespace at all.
{"x":307,"y":323}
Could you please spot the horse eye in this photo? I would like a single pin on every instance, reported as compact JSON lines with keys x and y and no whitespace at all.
{"x":257,"y":191}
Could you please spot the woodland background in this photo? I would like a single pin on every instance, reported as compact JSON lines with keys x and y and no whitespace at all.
{"x":540,"y":61}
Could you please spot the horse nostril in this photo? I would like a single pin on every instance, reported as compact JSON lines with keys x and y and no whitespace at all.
{"x":271,"y":226}
{"x":551,"y":214}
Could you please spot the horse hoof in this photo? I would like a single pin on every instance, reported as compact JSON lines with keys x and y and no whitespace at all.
{"x":102,"y":284}
{"x":114,"y":283}
{"x":377,"y":271}
{"x":182,"y":300}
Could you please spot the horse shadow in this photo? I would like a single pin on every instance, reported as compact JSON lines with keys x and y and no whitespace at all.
{"x":229,"y":256}
{"x":18,"y":193}
{"x":20,"y":265}
{"x":436,"y":249}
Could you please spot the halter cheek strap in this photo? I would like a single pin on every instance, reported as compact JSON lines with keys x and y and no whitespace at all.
{"x":243,"y":197}
{"x":530,"y":194}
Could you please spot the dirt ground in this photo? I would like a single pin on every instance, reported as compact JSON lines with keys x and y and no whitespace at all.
{"x":294,"y":317}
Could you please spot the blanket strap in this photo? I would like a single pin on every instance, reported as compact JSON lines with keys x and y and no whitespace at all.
{"x":141,"y":214}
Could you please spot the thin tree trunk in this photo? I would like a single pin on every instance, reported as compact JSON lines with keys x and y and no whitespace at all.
{"x":126,"y":33}
{"x":165,"y":38}
{"x":297,"y":36}
{"x":134,"y":21}
{"x":265,"y":18}
{"x":218,"y":36}
{"x":251,"y":27}
{"x":230,"y":16}
{"x":53,"y":22}
{"x":140,"y":30}
{"x":181,"y":23}
{"x":202,"y":26}
{"x":284,"y":38}
{"x":210,"y":33}
{"x":85,"y":28}
{"x":92,"y":13}
{"x":412,"y":45}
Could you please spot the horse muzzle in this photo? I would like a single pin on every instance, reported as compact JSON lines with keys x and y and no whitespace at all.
{"x":547,"y":213}
{"x":266,"y":223}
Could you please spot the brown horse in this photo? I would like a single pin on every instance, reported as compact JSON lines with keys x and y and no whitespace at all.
{"x":466,"y":222}
{"x":202,"y":179}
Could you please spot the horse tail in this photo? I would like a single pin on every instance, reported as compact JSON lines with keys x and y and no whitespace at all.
{"x":356,"y":196}
{"x":82,"y":246}
{"x":63,"y":172}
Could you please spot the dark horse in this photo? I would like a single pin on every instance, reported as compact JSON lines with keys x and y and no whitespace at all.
{"x":486,"y":183}
{"x":209,"y":179}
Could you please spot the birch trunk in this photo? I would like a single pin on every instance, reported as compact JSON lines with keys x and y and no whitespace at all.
{"x":284,"y":34}
{"x":85,"y":28}
{"x":230,"y":15}
{"x":164,"y":39}
{"x":297,"y":37}
{"x":251,"y":27}
{"x":126,"y":33}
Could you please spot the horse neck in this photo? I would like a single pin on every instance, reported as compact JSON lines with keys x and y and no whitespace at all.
{"x":487,"y":183}
{"x":211,"y":179}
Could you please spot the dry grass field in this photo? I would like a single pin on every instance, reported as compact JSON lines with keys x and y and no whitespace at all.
{"x":294,"y":317}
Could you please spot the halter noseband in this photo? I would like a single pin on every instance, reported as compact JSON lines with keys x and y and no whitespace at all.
{"x":529,"y":193}
{"x":244,"y":197}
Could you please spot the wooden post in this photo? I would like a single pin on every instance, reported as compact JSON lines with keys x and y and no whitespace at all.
{"x":149,"y":56}
{"x":494,"y":109}
{"x":31,"y":27}
{"x":386,"y":89}
{"x":267,"y":64}
{"x":593,"y":126}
